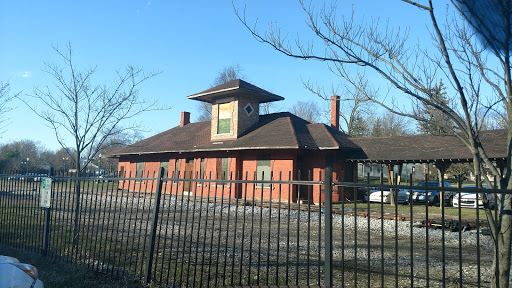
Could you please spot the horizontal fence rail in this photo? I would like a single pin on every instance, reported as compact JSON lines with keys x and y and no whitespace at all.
{"x":183,"y":231}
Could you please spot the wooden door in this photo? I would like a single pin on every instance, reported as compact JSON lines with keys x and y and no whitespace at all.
{"x":302,"y":175}
{"x":189,"y":173}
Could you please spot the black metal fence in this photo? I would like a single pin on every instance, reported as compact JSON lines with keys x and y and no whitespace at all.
{"x":157,"y":232}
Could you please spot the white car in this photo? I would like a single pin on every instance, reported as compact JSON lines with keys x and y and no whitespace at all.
{"x":469,"y":199}
{"x":14,"y":274}
{"x":384,"y":196}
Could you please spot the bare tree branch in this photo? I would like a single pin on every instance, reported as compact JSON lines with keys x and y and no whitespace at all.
{"x":227,"y":74}
{"x":458,"y":53}
{"x":86,"y":112}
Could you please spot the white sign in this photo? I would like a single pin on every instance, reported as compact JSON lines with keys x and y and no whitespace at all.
{"x":46,"y":192}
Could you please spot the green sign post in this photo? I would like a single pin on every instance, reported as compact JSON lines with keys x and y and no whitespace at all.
{"x":46,"y":196}
{"x":46,"y":192}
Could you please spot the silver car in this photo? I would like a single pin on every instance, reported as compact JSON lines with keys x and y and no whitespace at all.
{"x":14,"y":274}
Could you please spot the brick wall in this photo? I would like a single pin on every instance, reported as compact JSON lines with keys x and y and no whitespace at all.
{"x":245,"y":121}
{"x":241,"y":164}
{"x":281,"y":165}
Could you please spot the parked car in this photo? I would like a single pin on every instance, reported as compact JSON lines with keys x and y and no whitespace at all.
{"x":432,"y":196}
{"x":18,"y":275}
{"x":39,"y":177}
{"x":105,"y":178}
{"x":29,"y":177}
{"x":469,"y":199}
{"x":14,"y":177}
{"x":385,"y":196}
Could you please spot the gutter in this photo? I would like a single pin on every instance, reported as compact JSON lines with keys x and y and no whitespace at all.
{"x":228,"y":149}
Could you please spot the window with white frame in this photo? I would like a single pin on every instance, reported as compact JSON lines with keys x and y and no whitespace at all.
{"x":224,"y":118}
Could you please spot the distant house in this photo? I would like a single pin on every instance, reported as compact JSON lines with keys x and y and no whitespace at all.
{"x":239,"y":143}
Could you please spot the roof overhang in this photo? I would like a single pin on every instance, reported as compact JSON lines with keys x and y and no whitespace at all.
{"x":213,"y":149}
{"x":418,"y":161}
{"x":205,"y":150}
{"x":211,"y":97}
{"x":232,"y":88}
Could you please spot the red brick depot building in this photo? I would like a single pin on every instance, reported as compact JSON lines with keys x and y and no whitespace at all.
{"x":239,"y":143}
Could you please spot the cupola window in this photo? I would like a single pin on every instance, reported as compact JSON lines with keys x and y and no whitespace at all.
{"x":224,"y":120}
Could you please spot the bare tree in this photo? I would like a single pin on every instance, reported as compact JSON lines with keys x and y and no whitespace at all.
{"x":308,"y":111}
{"x":472,"y":52}
{"x":227,"y":74}
{"x":495,"y":120}
{"x":354,"y":106}
{"x":205,"y":111}
{"x":87,"y":113}
{"x":266,"y":108}
{"x":5,"y":98}
{"x":459,"y":169}
{"x":388,"y":124}
{"x":113,"y":143}
{"x":60,"y":160}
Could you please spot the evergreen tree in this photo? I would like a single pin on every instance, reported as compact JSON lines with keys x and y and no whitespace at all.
{"x":359,"y":127}
{"x":436,"y":122}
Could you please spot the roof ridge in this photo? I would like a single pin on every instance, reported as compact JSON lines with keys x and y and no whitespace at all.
{"x":294,"y":131}
{"x":324,"y":126}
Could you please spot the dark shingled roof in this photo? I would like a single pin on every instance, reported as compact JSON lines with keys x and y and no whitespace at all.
{"x":273,"y":131}
{"x":233,"y":87}
{"x":421,"y":148}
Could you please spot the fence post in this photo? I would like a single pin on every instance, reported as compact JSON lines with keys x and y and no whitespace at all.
{"x":45,"y":193}
{"x":46,"y":231}
{"x":328,"y":227}
{"x":154,"y":221}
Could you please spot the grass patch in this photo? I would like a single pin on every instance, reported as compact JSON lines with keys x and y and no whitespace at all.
{"x":56,"y":273}
{"x":20,"y":229}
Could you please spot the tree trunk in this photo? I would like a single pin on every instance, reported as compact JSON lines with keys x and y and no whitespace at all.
{"x":503,"y":234}
{"x":76,"y":229}
{"x":502,"y":244}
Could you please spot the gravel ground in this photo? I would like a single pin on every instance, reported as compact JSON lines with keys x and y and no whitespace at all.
{"x":210,"y":245}
{"x":231,"y":239}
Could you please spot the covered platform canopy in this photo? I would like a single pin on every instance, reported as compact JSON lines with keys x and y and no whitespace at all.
{"x":442,"y":150}
{"x":427,"y":148}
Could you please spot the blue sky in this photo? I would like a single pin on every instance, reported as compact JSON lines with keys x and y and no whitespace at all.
{"x":189,"y":42}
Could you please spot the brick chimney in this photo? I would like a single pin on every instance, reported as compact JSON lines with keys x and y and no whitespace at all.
{"x":335,"y":112}
{"x":185,"y":118}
